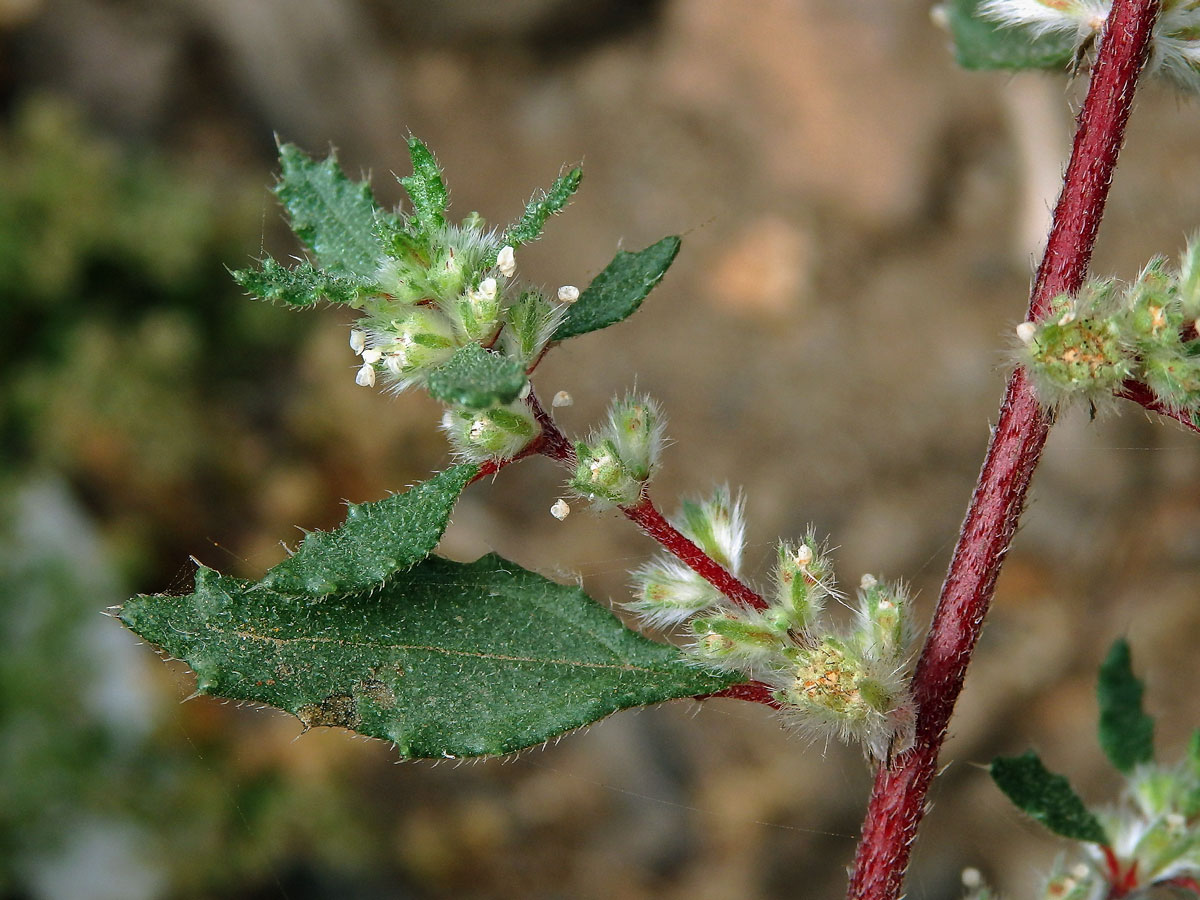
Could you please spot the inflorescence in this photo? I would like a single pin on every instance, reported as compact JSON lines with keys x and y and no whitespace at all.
{"x":1091,"y":344}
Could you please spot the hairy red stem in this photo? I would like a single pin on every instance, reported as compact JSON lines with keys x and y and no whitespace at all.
{"x":753,"y":691}
{"x":1143,"y":396}
{"x":674,"y":542}
{"x":898,"y":799}
{"x":554,"y":444}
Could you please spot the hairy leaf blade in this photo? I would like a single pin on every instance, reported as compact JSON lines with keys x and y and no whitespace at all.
{"x":425,"y":188}
{"x":377,"y":540}
{"x":541,"y":207}
{"x":332,"y":215}
{"x":477,"y":378}
{"x":301,"y":285}
{"x":980,"y":43}
{"x":451,"y":659}
{"x":1046,"y":797}
{"x":616,"y":293}
{"x":1126,"y":732}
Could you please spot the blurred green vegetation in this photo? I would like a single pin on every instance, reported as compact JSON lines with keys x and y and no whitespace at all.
{"x":124,"y":346}
{"x":125,"y":353}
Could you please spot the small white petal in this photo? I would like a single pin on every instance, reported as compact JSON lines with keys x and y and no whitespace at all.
{"x":365,"y":376}
{"x":560,"y":510}
{"x":372,"y":356}
{"x":487,"y":288}
{"x":562,"y":398}
{"x":358,"y":340}
{"x":506,"y":262}
{"x":1026,"y":331}
{"x":568,"y":293}
{"x":804,"y":555}
{"x":868,"y":582}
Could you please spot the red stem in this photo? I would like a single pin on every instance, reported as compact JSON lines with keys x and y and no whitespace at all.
{"x":898,"y":800}
{"x":1142,"y":395}
{"x":753,"y":691}
{"x":554,"y":444}
{"x":674,"y":542}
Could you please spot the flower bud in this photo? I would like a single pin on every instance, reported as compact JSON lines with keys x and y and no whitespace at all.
{"x":803,"y":582}
{"x":497,"y":433}
{"x":734,"y":639}
{"x":635,"y":426}
{"x":666,"y":592}
{"x":531,"y":323}
{"x":415,"y":342}
{"x":1077,"y":354}
{"x":717,"y":526}
{"x":884,"y":629}
{"x":601,"y":475}
{"x":475,"y":314}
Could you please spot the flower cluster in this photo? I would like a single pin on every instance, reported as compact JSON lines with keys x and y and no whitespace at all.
{"x":1174,"y":48}
{"x":1092,"y":343}
{"x":616,"y":460}
{"x":439,"y":287}
{"x":846,"y":682}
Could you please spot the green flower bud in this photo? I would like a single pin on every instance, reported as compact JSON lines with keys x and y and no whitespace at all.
{"x":1074,"y":353}
{"x":736,"y":639}
{"x":410,"y":344}
{"x":1173,"y":376}
{"x":530,"y":324}
{"x":717,"y":526}
{"x":498,"y":433}
{"x":667,"y":592}
{"x":803,"y":582}
{"x":635,"y":426}
{"x":1188,"y":291}
{"x":601,"y":475}
{"x":475,"y":314}
{"x":884,"y":628}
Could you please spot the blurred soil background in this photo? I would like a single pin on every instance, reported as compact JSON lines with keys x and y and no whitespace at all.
{"x":859,"y":220}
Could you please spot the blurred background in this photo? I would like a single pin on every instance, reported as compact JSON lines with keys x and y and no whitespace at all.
{"x":859,"y":221}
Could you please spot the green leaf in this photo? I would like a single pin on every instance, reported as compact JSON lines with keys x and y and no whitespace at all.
{"x":1046,"y":797}
{"x":1126,"y":733}
{"x":477,"y":378}
{"x":451,"y":659}
{"x":301,"y":285}
{"x":334,"y":216}
{"x":425,"y":188}
{"x":377,"y":540}
{"x":541,"y":207}
{"x":980,"y":43}
{"x":617,"y":292}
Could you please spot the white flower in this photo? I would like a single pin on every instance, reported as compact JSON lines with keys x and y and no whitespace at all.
{"x":506,"y":262}
{"x":358,"y":341}
{"x":568,"y":293}
{"x":561,"y":509}
{"x":365,"y":376}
